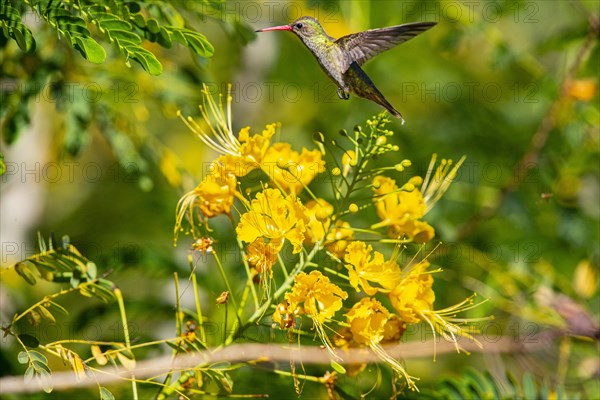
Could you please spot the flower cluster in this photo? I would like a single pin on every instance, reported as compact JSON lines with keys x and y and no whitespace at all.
{"x":284,"y":211}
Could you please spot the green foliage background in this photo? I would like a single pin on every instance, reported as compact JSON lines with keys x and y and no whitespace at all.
{"x":101,"y":110}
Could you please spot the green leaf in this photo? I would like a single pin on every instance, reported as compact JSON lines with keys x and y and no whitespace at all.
{"x":45,"y":379}
{"x":46,"y":314}
{"x":197,"y":42}
{"x":28,"y":376}
{"x":90,"y":49}
{"x":91,"y":270}
{"x":106,"y":284}
{"x":115,"y":25}
{"x":105,"y":394}
{"x":164,"y":38}
{"x":153,"y":25}
{"x":41,"y":242}
{"x":23,"y":357}
{"x":37,"y":356}
{"x":227,"y":382}
{"x":39,"y":366}
{"x":24,"y":39}
{"x":59,"y":307}
{"x":27,"y":271}
{"x":10,"y":23}
{"x":147,"y":60}
{"x":128,"y":363}
{"x":121,"y":35}
{"x":338,"y":367}
{"x":32,"y":342}
{"x":138,"y":20}
{"x":173,"y":345}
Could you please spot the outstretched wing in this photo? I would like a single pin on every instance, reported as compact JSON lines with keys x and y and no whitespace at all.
{"x":362,"y":46}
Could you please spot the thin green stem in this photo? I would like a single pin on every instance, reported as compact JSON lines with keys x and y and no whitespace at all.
{"x":119,"y":296}
{"x":199,"y":314}
{"x":224,"y":276}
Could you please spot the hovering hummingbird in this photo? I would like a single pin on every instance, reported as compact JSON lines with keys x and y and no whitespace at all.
{"x":341,"y":59}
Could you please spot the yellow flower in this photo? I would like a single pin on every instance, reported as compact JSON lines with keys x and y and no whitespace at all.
{"x":238,"y":155}
{"x":401,"y":210}
{"x":273,"y":218}
{"x":367,"y":320}
{"x":250,"y":152}
{"x":414,"y":295}
{"x":413,"y":300}
{"x":290,"y":170}
{"x":319,"y":226}
{"x":213,"y":196}
{"x":262,"y":255}
{"x":362,"y":268}
{"x":369,"y":324}
{"x":315,"y":295}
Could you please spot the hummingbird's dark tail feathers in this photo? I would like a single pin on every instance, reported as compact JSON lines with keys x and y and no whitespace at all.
{"x":386,"y":104}
{"x":360,"y":83}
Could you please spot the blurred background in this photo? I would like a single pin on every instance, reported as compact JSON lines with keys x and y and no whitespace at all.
{"x":97,"y":152}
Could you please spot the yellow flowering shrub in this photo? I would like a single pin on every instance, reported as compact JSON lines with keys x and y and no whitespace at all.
{"x":325,"y":230}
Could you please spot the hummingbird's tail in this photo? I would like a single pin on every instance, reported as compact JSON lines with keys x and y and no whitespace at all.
{"x":382,"y":101}
{"x":363,"y":86}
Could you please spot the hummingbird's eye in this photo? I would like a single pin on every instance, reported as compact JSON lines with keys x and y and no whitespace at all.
{"x":299,"y":25}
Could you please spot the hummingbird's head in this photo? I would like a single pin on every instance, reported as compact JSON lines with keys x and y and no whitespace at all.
{"x":305,"y":27}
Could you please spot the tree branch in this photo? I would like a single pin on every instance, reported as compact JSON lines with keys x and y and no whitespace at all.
{"x":271,"y":353}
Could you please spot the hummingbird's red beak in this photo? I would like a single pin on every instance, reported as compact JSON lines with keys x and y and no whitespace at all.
{"x":276,"y":28}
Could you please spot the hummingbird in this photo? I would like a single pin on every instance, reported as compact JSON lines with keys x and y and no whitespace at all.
{"x":341,"y":58}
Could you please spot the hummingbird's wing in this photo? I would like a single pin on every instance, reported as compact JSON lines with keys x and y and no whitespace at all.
{"x":362,"y":46}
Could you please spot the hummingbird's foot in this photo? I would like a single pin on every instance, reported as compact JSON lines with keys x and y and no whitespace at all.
{"x":342,"y":94}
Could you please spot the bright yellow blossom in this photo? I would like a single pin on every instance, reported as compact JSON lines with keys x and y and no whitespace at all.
{"x":313,"y":294}
{"x":262,"y":255}
{"x":290,"y":170}
{"x":250,"y":152}
{"x":364,"y":268}
{"x":414,"y":294}
{"x":413,"y":299}
{"x":367,"y":320}
{"x":239,"y":155}
{"x":370,"y":324}
{"x":273,"y":217}
{"x":213,"y":196}
{"x":401,"y":210}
